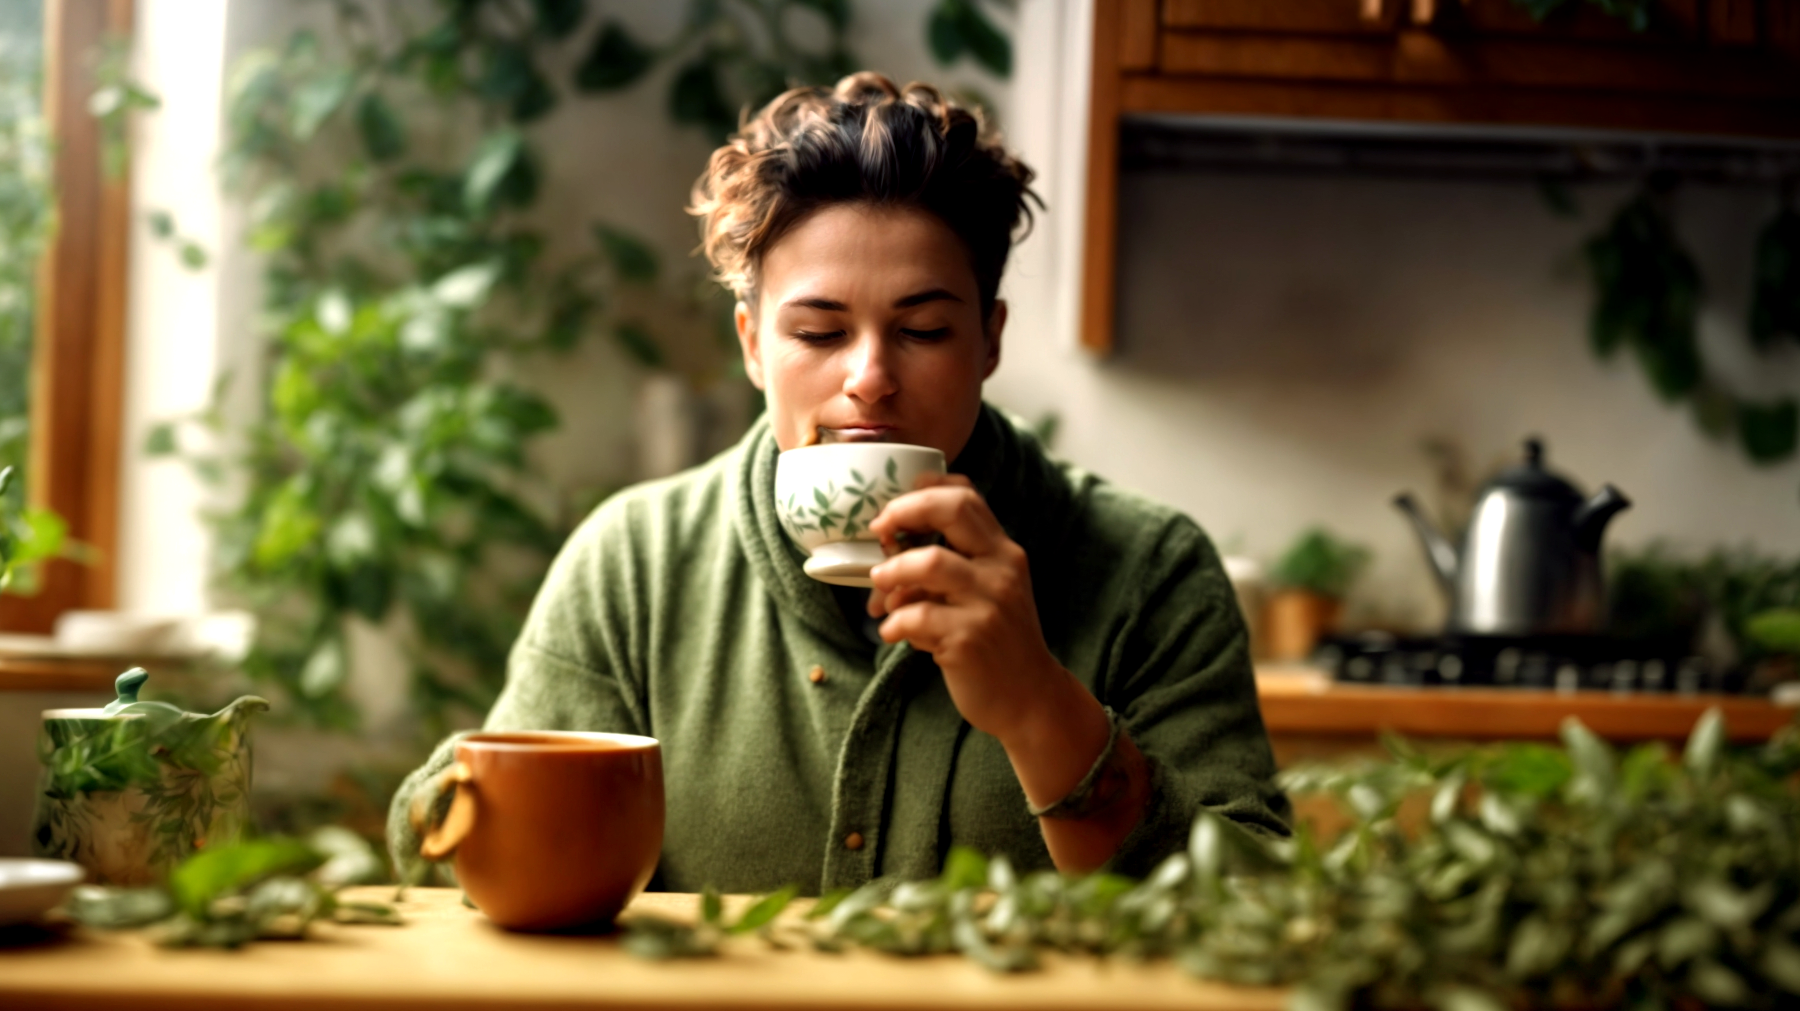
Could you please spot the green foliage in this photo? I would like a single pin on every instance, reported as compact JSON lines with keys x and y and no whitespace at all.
{"x":228,"y":896}
{"x":1659,"y":594}
{"x":1648,"y":292}
{"x":1775,"y":301}
{"x":27,"y":218}
{"x":958,"y":27}
{"x":391,"y":173}
{"x":1636,"y":13}
{"x":28,"y":536}
{"x":1649,"y":296}
{"x":1322,"y":563}
{"x":1511,"y":876}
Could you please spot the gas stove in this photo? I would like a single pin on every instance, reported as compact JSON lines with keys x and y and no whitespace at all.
{"x":1558,"y":663}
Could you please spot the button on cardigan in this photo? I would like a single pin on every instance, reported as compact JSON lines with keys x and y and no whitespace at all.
{"x":678,"y":610}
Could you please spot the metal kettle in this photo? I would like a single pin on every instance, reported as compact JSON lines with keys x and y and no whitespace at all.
{"x":1530,"y":560}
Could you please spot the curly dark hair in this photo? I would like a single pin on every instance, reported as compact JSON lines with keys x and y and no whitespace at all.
{"x":863,"y":141}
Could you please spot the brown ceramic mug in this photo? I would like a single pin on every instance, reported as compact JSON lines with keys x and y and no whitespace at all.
{"x":551,"y":829}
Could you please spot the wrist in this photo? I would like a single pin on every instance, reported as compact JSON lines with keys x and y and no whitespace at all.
{"x":1059,"y":732}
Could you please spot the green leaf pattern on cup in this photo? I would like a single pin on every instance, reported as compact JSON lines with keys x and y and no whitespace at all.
{"x":845,"y":510}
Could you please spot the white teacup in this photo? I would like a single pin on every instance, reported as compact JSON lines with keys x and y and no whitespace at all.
{"x":826,"y":496}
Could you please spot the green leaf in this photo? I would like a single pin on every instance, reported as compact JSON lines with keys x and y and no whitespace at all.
{"x":943,"y":31}
{"x":466,"y":287}
{"x":639,"y":344}
{"x":498,"y":157}
{"x":325,"y":669}
{"x":614,"y":61}
{"x":557,"y":18}
{"x":986,"y":43}
{"x":695,"y":98}
{"x":1705,"y":742}
{"x":214,"y":873}
{"x":1776,"y":629}
{"x":632,"y":258}
{"x":836,"y":12}
{"x":711,"y":908}
{"x":964,"y":868}
{"x":1781,"y":964}
{"x":162,"y":223}
{"x":160,"y":440}
{"x":383,"y":134}
{"x":1775,"y":297}
{"x":765,"y":909}
{"x":193,"y":255}
{"x":315,"y":100}
{"x":1768,"y":432}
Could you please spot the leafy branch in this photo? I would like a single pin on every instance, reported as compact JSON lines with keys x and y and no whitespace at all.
{"x":228,"y":896}
{"x":1648,"y":293}
{"x":1496,"y":878}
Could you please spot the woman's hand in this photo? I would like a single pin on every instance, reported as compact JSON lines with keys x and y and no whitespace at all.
{"x":967,"y":603}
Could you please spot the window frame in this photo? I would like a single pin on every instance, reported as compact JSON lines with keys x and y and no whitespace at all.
{"x":78,"y":340}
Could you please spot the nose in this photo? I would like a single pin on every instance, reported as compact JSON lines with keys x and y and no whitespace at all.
{"x":868,"y":374}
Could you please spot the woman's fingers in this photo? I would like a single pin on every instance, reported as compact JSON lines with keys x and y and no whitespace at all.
{"x":932,"y":571}
{"x":923,"y":623}
{"x":955,"y":510}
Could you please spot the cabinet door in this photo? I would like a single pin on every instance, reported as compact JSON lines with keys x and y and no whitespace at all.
{"x":1327,"y":17}
{"x":1671,"y":22}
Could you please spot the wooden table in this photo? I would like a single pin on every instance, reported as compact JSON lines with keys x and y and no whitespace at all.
{"x":451,"y":957}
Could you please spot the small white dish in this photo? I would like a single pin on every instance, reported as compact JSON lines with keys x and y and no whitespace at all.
{"x":30,"y":888}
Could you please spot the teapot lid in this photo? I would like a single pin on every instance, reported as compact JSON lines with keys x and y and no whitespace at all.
{"x":1531,"y":478}
{"x":126,"y":706}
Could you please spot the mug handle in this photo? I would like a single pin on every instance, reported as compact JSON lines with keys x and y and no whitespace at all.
{"x":437,"y":842}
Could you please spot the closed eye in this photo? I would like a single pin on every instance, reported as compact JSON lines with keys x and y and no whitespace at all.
{"x":812,"y":337}
{"x":928,"y":335}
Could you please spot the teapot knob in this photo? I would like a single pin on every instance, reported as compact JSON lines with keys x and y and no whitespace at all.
{"x":1534,"y":453}
{"x":129,"y":684}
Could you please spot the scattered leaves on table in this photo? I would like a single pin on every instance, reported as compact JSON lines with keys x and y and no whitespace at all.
{"x":1500,"y":877}
{"x":228,"y":896}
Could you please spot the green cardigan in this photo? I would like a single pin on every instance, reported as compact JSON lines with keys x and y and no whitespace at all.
{"x":678,"y":610}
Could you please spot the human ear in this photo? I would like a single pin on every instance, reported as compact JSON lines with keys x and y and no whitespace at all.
{"x":747,"y":342}
{"x":995,"y":324}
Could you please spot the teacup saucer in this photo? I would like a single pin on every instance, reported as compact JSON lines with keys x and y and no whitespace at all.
{"x":29,"y":888}
{"x":844,"y":563}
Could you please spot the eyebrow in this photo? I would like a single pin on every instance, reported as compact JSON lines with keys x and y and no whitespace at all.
{"x":831,"y":305}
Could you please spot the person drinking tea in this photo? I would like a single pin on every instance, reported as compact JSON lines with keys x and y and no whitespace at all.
{"x":1046,"y":666}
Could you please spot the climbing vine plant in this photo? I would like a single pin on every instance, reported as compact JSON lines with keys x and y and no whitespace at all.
{"x":389,"y":171}
{"x":1648,"y":291}
{"x":27,"y":211}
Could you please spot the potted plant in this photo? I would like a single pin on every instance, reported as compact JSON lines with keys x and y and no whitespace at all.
{"x":1311,"y":580}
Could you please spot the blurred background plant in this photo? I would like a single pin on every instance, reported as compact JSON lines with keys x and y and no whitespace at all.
{"x":392,"y":165}
{"x":1320,"y":562}
{"x":1311,"y":579}
{"x":27,"y":216}
{"x":1738,"y":606}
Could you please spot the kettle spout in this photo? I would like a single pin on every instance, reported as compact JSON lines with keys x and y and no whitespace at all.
{"x":1440,"y":552}
{"x":1594,"y":514}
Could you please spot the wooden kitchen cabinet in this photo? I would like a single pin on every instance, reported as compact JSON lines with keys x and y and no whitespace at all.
{"x":1701,"y":67}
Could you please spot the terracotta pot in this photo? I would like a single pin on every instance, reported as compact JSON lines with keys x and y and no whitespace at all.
{"x":1294,"y":620}
{"x":552,"y":829}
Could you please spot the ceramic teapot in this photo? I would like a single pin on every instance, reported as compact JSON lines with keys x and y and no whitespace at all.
{"x":130,"y":790}
{"x":1529,"y":563}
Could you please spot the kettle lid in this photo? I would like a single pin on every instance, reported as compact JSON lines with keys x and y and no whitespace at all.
{"x":1531,"y":478}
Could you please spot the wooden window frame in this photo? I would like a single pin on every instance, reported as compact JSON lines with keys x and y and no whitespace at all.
{"x":78,"y":343}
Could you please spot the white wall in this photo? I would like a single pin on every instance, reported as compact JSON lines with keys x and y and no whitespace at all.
{"x":1286,"y":345}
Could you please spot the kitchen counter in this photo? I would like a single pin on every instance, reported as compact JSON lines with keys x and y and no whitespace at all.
{"x":450,"y":957}
{"x":1308,"y":715}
